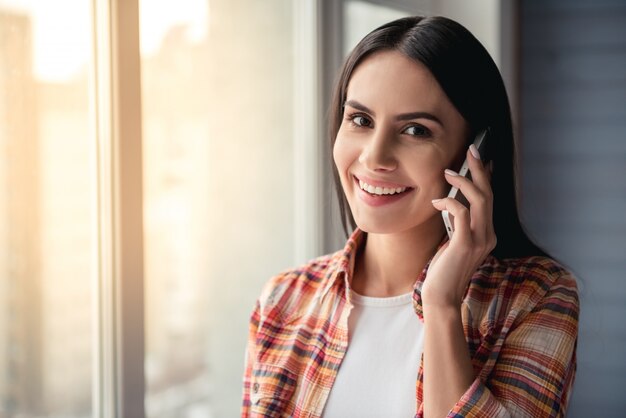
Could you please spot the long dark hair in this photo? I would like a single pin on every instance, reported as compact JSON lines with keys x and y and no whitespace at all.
{"x":472,"y":82}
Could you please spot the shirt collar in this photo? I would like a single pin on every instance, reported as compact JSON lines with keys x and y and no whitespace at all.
{"x":344,"y":261}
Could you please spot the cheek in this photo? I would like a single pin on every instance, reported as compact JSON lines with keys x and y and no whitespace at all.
{"x":435,"y":181}
{"x":429,"y":174}
{"x":343,"y":155}
{"x":458,"y":160}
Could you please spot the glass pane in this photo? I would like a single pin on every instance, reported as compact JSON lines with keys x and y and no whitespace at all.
{"x":218,"y":190}
{"x":361,"y":17}
{"x":47,"y":211}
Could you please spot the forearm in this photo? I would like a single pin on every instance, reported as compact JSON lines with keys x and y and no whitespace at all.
{"x":448,"y":371}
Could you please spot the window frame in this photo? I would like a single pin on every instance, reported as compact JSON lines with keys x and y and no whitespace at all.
{"x":309,"y":152}
{"x":118,"y":380}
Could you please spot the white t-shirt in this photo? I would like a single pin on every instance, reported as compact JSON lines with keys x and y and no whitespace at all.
{"x":378,"y":374}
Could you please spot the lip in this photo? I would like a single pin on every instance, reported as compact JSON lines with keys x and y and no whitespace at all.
{"x":376,"y":201}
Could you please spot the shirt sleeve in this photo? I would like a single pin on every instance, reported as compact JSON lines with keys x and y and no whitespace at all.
{"x":249,"y":359}
{"x":535,"y":368}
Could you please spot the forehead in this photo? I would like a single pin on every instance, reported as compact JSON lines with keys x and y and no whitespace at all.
{"x":391,"y":80}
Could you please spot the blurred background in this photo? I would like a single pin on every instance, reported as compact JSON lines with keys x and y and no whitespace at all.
{"x":236,"y":185}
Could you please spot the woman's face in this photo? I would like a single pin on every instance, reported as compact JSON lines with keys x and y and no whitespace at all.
{"x":398,"y":134}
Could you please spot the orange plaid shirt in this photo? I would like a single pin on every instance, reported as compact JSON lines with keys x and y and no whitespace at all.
{"x":520,"y":318}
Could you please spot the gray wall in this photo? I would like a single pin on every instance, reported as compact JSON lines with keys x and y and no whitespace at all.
{"x":573,"y":124}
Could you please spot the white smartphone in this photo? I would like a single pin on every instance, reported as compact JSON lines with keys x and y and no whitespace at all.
{"x":480,"y":143}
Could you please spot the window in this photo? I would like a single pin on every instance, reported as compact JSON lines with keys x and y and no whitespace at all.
{"x":217,"y":97}
{"x":218,"y":200}
{"x":47,"y":209}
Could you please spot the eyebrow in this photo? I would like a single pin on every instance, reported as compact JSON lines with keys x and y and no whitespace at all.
{"x":403,"y":116}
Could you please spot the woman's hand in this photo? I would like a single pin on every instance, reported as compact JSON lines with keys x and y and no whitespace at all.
{"x":473,"y":239}
{"x":448,"y":371}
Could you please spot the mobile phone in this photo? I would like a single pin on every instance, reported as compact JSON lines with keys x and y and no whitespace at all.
{"x":480,"y":142}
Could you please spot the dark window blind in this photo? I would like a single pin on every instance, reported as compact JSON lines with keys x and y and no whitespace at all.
{"x":573,"y":162}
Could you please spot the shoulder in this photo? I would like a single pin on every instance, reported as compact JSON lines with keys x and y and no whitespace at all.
{"x":540,"y":277}
{"x":525,"y":284}
{"x":287,"y":292}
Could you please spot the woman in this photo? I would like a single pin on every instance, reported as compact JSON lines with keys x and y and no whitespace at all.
{"x":404,"y":321}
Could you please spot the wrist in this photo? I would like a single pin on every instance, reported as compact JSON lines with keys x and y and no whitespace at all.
{"x":440,"y":301}
{"x":442,"y":310}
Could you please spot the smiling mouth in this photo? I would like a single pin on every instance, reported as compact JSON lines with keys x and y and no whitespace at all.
{"x":381,"y":191}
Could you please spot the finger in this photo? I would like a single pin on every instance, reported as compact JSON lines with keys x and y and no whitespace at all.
{"x":478,"y":200}
{"x":480,"y":173}
{"x":462,"y":233}
{"x":461,"y":216}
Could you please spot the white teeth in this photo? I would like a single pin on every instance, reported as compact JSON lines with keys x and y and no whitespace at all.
{"x":379,"y":190}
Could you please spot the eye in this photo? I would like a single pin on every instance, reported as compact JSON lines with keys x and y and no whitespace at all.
{"x":359,"y":120}
{"x":418,"y":130}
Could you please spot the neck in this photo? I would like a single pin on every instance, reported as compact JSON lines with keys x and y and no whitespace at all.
{"x":389,"y":264}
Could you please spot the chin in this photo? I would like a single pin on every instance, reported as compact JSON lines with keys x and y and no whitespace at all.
{"x":396,"y":225}
{"x":383,"y":226}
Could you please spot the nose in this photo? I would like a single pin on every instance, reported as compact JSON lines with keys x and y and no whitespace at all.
{"x":378,"y":153}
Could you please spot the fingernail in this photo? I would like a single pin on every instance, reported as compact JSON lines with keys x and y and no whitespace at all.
{"x":435,"y":200}
{"x":474,"y":151}
{"x":451,"y":173}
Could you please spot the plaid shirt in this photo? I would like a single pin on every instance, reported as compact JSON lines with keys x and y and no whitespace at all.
{"x":520,"y":318}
